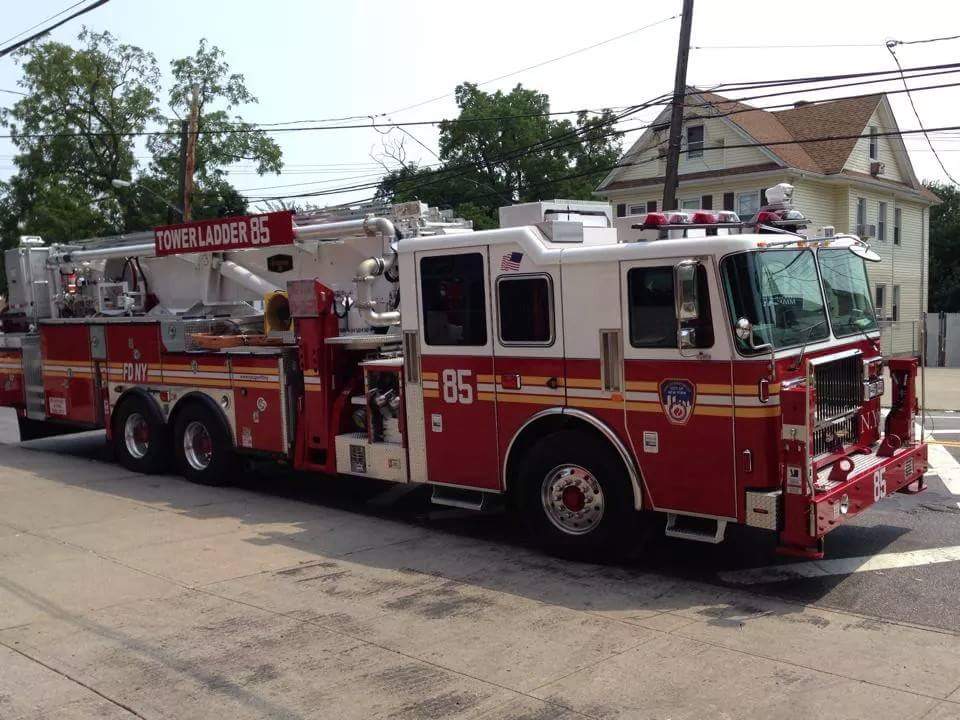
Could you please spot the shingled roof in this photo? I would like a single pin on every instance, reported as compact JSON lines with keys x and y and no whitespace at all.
{"x":778,"y":131}
{"x":836,"y":117}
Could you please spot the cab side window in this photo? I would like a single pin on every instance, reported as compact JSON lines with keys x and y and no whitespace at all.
{"x":652,"y":313}
{"x":526,"y":310}
{"x":453,"y":300}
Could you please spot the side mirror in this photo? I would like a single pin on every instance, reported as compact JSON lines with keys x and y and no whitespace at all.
{"x":685,"y":284}
{"x":687,"y":338}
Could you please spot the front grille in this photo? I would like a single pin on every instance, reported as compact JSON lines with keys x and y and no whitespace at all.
{"x":839,"y":386}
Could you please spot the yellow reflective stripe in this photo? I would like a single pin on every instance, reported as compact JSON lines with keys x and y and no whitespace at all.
{"x":757,"y":412}
{"x":589,"y":383}
{"x":642,"y":385}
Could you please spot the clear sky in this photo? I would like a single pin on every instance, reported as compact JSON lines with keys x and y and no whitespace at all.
{"x":315,"y":60}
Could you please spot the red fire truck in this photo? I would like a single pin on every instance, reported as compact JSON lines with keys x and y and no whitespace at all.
{"x":590,"y":369}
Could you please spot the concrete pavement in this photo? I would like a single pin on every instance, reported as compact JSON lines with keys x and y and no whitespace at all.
{"x":128,"y":596}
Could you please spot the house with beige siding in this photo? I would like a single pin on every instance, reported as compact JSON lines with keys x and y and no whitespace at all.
{"x":731,"y":152}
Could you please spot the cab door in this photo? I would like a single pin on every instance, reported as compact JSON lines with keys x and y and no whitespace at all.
{"x":456,"y":362}
{"x":528,"y":342}
{"x":679,"y":402}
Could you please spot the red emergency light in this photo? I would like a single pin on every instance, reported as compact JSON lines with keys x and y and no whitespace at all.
{"x":702,"y":217}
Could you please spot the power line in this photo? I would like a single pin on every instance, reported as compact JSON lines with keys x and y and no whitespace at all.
{"x":26,"y":41}
{"x":42,"y":22}
{"x":12,"y":92}
{"x":778,"y":47}
{"x":890,"y":47}
{"x":927,"y":40}
{"x":371,"y":185}
{"x":539,"y":64}
{"x":596,"y":171}
{"x":257,"y":129}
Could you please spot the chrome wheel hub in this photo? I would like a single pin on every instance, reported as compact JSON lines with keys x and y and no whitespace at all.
{"x":197,"y":446}
{"x":136,"y":435}
{"x":572,"y":499}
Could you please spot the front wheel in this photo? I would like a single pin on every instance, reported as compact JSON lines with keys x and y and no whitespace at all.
{"x":576,"y":497}
{"x":202,"y":446}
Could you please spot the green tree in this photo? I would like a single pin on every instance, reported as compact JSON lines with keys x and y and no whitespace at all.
{"x":223,"y":138}
{"x":73,"y":132}
{"x":505,"y":148}
{"x":945,"y":249}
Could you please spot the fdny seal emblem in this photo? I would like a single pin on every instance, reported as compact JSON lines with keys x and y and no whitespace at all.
{"x":678,"y":398}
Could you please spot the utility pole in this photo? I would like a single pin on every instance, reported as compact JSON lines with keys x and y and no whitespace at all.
{"x":182,"y":175}
{"x":676,"y":114}
{"x":188,"y":151}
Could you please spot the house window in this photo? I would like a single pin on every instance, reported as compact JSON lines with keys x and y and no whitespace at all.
{"x":636,"y":209}
{"x":526,"y":310}
{"x":621,"y":209}
{"x":454,"y":306}
{"x":651,"y":205}
{"x":706,"y":202}
{"x":690,"y":204}
{"x":653,"y":319}
{"x":728,"y":201}
{"x":874,"y":145}
{"x":861,"y":215}
{"x":882,"y":221}
{"x":695,"y":141}
{"x":748,"y":203}
{"x":895,"y":303}
{"x":880,"y":301}
{"x":897,"y":225}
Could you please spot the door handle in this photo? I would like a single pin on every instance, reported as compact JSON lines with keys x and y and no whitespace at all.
{"x":763,"y":390}
{"x":747,"y":461}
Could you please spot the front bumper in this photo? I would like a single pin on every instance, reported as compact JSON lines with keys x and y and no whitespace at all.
{"x":839,"y":498}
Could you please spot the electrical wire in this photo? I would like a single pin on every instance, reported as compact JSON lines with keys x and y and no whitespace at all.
{"x":596,"y":171}
{"x":42,"y":22}
{"x":916,"y":113}
{"x":539,"y":64}
{"x":26,"y":41}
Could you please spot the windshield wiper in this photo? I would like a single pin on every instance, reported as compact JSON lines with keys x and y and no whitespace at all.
{"x":803,"y":348}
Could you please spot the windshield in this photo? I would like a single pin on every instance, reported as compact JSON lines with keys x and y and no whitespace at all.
{"x":778,"y":291}
{"x":847,"y":291}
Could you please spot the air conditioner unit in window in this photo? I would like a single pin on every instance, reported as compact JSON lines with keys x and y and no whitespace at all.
{"x":867,"y":231}
{"x":877,"y":168}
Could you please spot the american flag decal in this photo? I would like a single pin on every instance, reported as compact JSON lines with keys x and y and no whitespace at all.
{"x":511,"y":261}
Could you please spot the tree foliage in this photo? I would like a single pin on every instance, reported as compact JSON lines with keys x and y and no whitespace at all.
{"x":945,"y":249}
{"x":71,"y":132}
{"x":75,"y":131}
{"x":505,"y":148}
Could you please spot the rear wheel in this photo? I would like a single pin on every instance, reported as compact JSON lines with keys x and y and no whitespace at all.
{"x":141,"y":440}
{"x":202,"y":446}
{"x":576,"y":497}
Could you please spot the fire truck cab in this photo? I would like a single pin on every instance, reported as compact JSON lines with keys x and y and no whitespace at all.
{"x":592,"y":370}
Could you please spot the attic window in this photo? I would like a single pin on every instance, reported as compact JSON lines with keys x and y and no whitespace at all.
{"x":695,"y":141}
{"x":874,"y":150}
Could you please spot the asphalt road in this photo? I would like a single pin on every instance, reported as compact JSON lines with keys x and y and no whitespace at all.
{"x":923,"y":592}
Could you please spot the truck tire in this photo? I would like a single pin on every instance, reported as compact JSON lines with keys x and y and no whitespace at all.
{"x":576,"y":497}
{"x":141,"y":438}
{"x":202,"y":446}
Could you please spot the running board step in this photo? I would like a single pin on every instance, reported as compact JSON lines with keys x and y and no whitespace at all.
{"x":689,"y":527}
{"x":460,"y":498}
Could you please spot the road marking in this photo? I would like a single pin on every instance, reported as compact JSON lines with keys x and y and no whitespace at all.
{"x":945,"y":443}
{"x":842,"y":566}
{"x":943,"y":464}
